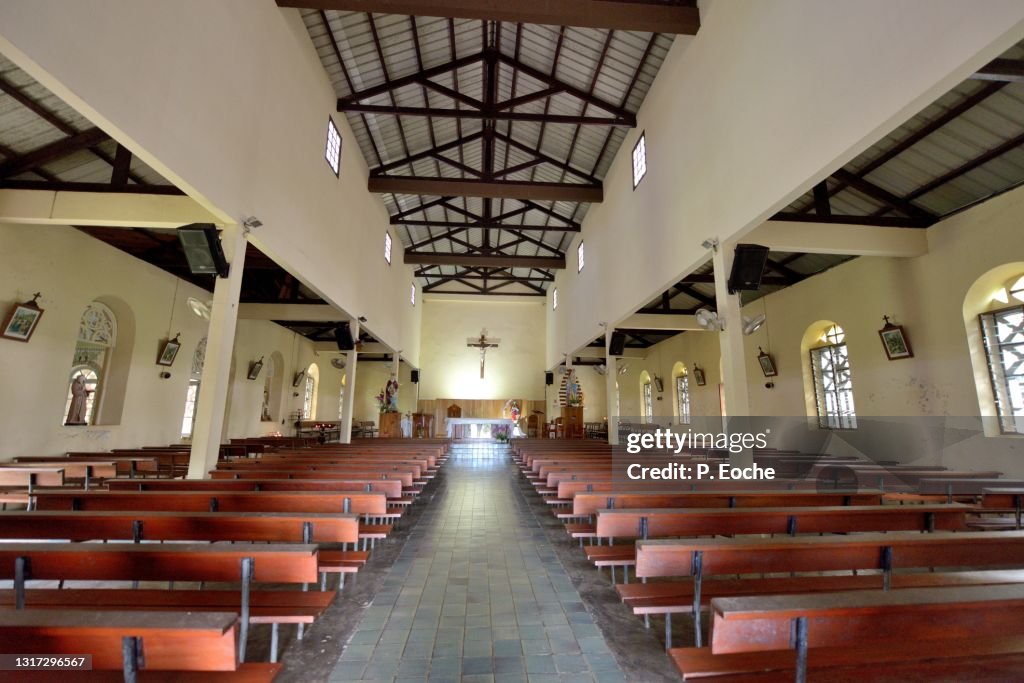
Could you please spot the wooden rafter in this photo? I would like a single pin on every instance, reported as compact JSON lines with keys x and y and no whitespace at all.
{"x":658,"y":17}
{"x":507,"y":189}
{"x":489,"y":260}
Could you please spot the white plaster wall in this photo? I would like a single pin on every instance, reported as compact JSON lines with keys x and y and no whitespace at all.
{"x":71,"y":269}
{"x":451,"y":370}
{"x":229,"y":101}
{"x":767,"y":99}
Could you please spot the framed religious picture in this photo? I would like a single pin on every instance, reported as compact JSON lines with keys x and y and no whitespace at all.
{"x":894,"y":341}
{"x":22,"y":320}
{"x":767,"y":363}
{"x":254,"y":368}
{"x":698,"y":374}
{"x":297,"y":379}
{"x":169,"y":351}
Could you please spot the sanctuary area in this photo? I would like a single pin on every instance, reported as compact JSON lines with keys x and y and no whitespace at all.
{"x":538,"y":341}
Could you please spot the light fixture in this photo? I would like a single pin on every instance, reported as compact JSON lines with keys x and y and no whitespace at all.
{"x":710,"y":243}
{"x":200,"y":308}
{"x":252,"y":223}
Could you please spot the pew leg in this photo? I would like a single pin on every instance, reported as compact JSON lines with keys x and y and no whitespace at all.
{"x":131,"y":651}
{"x":323,"y":581}
{"x":273,"y":642}
{"x":625,"y":573}
{"x":341,"y":580}
{"x":612,"y":568}
{"x":668,"y":631}
{"x":801,"y":649}
{"x":647,"y":621}
{"x":300,"y":631}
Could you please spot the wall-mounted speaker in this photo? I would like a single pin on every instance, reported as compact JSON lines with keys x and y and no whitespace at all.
{"x":203,"y":250}
{"x":617,"y":344}
{"x":748,"y":265}
{"x":343,"y":337}
{"x":549,"y":378}
{"x":414,"y":377}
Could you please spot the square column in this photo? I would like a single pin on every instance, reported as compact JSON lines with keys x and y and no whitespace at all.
{"x":348,"y":401}
{"x":220,"y":343}
{"x":730,"y":340}
{"x":611,"y":377}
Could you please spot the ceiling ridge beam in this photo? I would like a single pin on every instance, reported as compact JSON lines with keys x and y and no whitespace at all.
{"x":834,"y":219}
{"x":880,"y":194}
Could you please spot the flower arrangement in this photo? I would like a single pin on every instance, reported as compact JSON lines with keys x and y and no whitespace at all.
{"x":501,"y":433}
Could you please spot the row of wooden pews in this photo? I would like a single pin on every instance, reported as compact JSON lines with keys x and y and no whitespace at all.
{"x":234,"y":552}
{"x":805,"y":579}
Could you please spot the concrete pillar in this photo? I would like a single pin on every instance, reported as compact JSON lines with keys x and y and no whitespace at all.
{"x":349,"y":402}
{"x":611,"y":377}
{"x":220,"y":342}
{"x":734,"y":367}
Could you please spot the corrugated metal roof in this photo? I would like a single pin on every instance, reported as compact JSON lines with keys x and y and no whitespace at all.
{"x":23,"y":130}
{"x":932,"y":173}
{"x":617,"y":67}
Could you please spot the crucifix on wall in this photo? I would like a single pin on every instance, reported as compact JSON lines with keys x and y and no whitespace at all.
{"x":483,"y":343}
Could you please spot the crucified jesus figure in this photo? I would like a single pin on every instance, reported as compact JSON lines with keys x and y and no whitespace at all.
{"x":482,"y":343}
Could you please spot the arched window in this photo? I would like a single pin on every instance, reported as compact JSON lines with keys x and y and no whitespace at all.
{"x":97,"y":334}
{"x":309,"y":394}
{"x":1002,"y":336}
{"x":646,"y":397}
{"x":192,"y":396}
{"x":833,"y":384}
{"x":682,"y":395}
{"x":269,"y":377}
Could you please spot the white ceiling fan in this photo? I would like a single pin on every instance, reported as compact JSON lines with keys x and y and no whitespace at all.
{"x":623,"y":369}
{"x":711,"y":321}
{"x":752,"y":325}
{"x":601,"y":369}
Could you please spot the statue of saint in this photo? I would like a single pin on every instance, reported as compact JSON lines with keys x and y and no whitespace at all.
{"x":391,"y":395}
{"x":79,"y":401}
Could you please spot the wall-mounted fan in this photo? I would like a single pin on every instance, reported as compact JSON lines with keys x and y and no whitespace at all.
{"x":200,"y":308}
{"x":623,"y":369}
{"x":601,"y":369}
{"x":338,"y":363}
{"x":752,"y":325}
{"x":709,"y":320}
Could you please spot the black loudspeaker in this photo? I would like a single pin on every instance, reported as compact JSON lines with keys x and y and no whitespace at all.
{"x":549,"y":378}
{"x":203,"y":250}
{"x":415,"y":377}
{"x":343,"y":336}
{"x":747,"y":267}
{"x":617,"y":344}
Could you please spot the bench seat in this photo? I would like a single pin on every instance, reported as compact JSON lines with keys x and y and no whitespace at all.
{"x":266,"y":607}
{"x":675,"y":597}
{"x":246,"y":673}
{"x":581,"y":530}
{"x":347,"y":561}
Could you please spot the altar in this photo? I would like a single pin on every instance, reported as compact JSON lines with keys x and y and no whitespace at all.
{"x":474,"y":427}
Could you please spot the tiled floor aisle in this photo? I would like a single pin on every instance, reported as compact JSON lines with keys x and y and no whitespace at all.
{"x":477,"y":594}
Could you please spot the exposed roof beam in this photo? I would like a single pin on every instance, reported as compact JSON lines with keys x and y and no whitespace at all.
{"x":883,"y":195}
{"x":646,"y":321}
{"x":1001,"y":70}
{"x":709,"y":278}
{"x":488,"y":261}
{"x":497,"y":189}
{"x":483,"y":226}
{"x":412,"y":79}
{"x":52,"y":152}
{"x":107,"y":209}
{"x":484,"y":114}
{"x":291,"y":312}
{"x":602,"y":14}
{"x":426,"y":154}
{"x":852,"y":240}
{"x":877,"y":221}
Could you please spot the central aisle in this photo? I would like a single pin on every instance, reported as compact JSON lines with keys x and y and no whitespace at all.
{"x":478,"y":593}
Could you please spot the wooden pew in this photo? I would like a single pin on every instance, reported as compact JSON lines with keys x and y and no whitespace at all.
{"x":241,"y":563}
{"x":673,"y":522}
{"x":83,"y":471}
{"x":698,"y":558}
{"x":369,"y":505}
{"x":29,"y":478}
{"x":392,"y":488}
{"x":944,"y":633}
{"x":133,"y":642}
{"x":137,"y":526}
{"x":127,"y":465}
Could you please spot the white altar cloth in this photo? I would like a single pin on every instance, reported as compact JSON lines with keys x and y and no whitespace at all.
{"x":466,"y":421}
